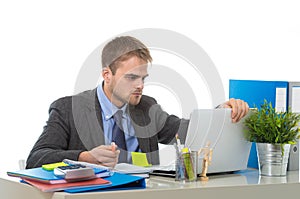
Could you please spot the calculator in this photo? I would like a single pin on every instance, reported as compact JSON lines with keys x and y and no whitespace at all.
{"x":74,"y":173}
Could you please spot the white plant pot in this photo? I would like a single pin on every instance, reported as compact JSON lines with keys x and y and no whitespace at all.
{"x":271,"y":161}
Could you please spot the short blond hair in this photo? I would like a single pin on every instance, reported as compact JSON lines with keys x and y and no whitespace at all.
{"x":121,"y":49}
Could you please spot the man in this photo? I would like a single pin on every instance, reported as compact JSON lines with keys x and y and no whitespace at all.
{"x":104,"y":125}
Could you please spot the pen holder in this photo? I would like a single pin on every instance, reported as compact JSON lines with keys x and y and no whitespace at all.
{"x":186,"y":166}
{"x":179,"y":168}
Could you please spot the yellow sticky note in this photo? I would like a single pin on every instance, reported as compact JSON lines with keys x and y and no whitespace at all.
{"x":50,"y":167}
{"x":140,"y":159}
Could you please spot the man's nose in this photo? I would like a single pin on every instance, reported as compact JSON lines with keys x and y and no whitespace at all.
{"x":140,"y":83}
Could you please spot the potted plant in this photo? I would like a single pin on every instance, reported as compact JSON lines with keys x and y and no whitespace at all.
{"x":273,"y":132}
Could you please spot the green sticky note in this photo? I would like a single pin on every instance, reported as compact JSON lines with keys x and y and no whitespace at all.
{"x":140,"y":159}
{"x":50,"y":167}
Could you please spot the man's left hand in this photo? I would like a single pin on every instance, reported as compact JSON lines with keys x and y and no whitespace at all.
{"x":239,"y":108}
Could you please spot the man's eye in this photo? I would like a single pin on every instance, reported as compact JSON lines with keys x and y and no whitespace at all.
{"x":131,"y":77}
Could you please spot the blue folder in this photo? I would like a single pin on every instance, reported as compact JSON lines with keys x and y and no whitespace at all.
{"x":118,"y":181}
{"x":42,"y":175}
{"x":254,"y":92}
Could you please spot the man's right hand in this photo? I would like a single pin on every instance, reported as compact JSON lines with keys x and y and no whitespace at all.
{"x":105,"y":155}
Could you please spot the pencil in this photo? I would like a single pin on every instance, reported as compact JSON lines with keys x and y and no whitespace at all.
{"x":178,"y":141}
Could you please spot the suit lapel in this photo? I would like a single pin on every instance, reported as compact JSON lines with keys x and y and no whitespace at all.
{"x":88,"y":120}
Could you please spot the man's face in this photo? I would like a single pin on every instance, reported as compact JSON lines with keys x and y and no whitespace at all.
{"x":126,"y":86}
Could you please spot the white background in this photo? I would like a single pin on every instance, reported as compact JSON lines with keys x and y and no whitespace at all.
{"x":43,"y":45}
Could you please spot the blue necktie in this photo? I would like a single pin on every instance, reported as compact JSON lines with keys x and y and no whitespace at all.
{"x":118,"y":136}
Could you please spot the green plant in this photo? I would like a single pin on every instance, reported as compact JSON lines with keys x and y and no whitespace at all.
{"x":265,"y":125}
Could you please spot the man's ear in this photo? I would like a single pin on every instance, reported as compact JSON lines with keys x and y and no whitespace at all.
{"x":106,"y":74}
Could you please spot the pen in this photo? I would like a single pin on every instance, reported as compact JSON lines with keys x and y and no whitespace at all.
{"x":113,"y":144}
{"x":177,"y":150}
{"x":179,"y":170}
{"x":178,"y":142}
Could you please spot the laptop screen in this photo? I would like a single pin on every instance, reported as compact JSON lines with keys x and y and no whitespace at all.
{"x":230,"y":149}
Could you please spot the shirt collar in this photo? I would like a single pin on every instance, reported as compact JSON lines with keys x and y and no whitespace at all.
{"x":108,"y":108}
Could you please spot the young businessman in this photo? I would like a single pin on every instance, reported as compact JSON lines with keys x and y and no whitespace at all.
{"x":85,"y":127}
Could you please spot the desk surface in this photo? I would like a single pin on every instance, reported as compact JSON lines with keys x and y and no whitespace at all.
{"x":246,"y":184}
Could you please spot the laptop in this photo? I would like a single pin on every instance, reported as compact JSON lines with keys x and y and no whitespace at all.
{"x":230,"y":148}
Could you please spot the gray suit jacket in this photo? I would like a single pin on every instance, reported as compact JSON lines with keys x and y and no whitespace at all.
{"x":75,"y":125}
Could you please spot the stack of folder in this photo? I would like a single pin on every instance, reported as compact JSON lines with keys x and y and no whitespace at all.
{"x":46,"y":181}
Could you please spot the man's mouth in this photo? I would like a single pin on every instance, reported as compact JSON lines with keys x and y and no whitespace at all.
{"x":137,"y":93}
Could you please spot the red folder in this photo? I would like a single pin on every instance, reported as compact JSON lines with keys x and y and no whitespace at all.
{"x":65,"y":186}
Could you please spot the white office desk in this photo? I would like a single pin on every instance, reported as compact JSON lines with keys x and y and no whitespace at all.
{"x":247,"y":184}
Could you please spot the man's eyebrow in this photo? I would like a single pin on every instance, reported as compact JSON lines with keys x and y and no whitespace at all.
{"x":135,"y":75}
{"x":131,"y":75}
{"x":145,"y":76}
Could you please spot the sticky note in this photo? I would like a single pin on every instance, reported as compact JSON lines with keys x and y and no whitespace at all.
{"x":50,"y":167}
{"x":139,"y":159}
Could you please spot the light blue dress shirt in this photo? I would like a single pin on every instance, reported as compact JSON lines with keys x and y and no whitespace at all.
{"x":108,"y":110}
